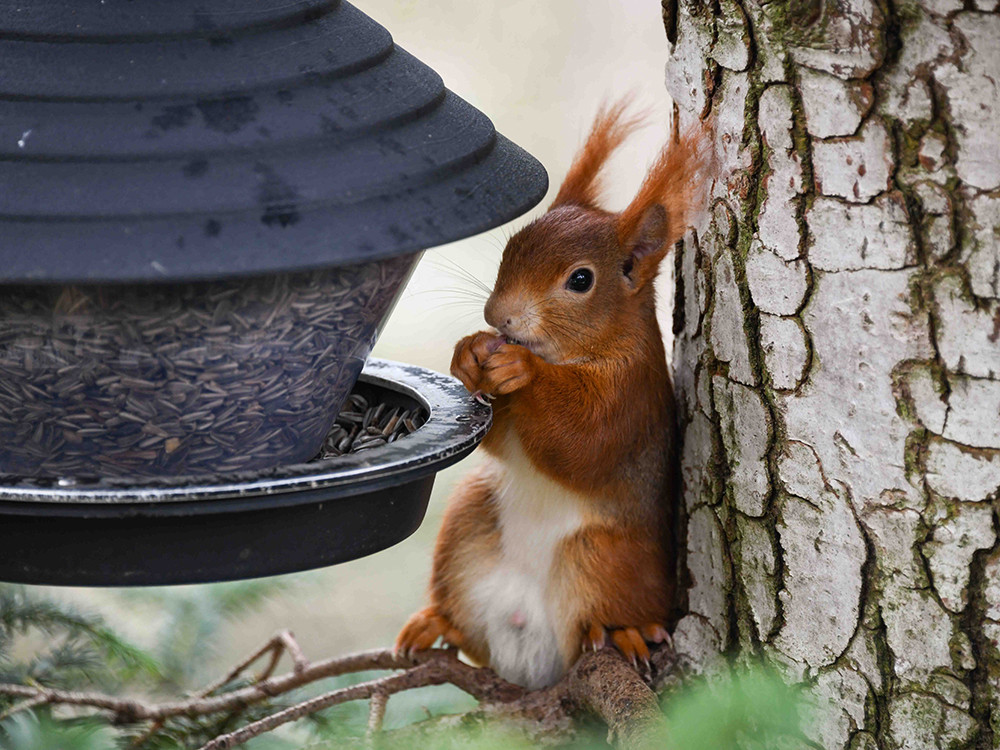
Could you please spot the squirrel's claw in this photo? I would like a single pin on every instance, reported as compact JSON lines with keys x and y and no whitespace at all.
{"x":483,"y":398}
{"x":596,"y":638}
{"x":630,"y":642}
{"x":631,"y":645}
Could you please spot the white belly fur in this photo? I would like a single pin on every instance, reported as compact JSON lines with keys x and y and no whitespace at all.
{"x":514,"y":598}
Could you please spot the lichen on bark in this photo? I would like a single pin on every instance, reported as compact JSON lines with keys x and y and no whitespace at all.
{"x":837,"y":357}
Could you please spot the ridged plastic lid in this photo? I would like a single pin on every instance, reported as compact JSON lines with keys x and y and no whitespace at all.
{"x":152,"y":141}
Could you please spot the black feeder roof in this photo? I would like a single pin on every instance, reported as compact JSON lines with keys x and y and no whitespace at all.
{"x":154,"y":141}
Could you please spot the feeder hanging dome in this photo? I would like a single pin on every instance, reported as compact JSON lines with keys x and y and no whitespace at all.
{"x":203,"y":139}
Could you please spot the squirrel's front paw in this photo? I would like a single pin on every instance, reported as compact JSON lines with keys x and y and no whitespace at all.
{"x":423,"y":629}
{"x":471,"y":353}
{"x":485,"y":364}
{"x":631,"y":642}
{"x":506,"y":370}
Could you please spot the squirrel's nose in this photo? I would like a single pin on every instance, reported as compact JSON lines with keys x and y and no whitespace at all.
{"x":500,"y":313}
{"x":491,"y":315}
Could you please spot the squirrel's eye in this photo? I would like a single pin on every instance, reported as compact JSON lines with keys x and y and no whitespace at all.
{"x":580,"y":280}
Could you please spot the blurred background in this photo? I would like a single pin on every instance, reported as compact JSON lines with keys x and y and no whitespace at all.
{"x":539,"y":70}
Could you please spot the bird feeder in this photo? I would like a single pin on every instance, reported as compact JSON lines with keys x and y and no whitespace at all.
{"x":208,"y":208}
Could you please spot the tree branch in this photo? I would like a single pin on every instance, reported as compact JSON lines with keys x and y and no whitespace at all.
{"x":602,"y":684}
{"x":281,"y":643}
{"x":128,"y":710}
{"x":376,"y":714}
{"x":606,"y":686}
{"x":416,"y":677}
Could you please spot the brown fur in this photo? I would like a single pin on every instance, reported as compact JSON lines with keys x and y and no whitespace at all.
{"x":588,"y":398}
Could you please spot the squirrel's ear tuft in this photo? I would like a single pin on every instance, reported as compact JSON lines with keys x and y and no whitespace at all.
{"x":663,"y":208}
{"x":611,"y":127}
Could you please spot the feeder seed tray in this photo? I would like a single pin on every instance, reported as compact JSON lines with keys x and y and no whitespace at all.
{"x":116,"y":533}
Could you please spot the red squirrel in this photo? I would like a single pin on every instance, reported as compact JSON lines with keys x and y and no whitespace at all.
{"x":558,"y":541}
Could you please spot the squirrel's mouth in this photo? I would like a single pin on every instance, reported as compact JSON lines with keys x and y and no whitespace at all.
{"x":537,"y":348}
{"x":534,"y":347}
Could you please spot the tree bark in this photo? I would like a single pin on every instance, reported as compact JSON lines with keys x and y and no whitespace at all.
{"x":837,"y":358}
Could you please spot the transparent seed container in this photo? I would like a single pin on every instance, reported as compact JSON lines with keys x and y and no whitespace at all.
{"x":154,"y":380}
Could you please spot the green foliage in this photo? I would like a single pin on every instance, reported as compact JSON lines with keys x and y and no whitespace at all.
{"x":80,"y":649}
{"x":38,"y":731}
{"x":75,"y":650}
{"x":749,"y":709}
{"x":338,"y":726}
{"x":183,"y":733}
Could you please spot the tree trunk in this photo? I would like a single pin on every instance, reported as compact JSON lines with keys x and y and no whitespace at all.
{"x":837,"y":358}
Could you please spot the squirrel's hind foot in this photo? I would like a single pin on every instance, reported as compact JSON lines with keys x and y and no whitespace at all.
{"x":422,"y":631}
{"x":630,"y":641}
